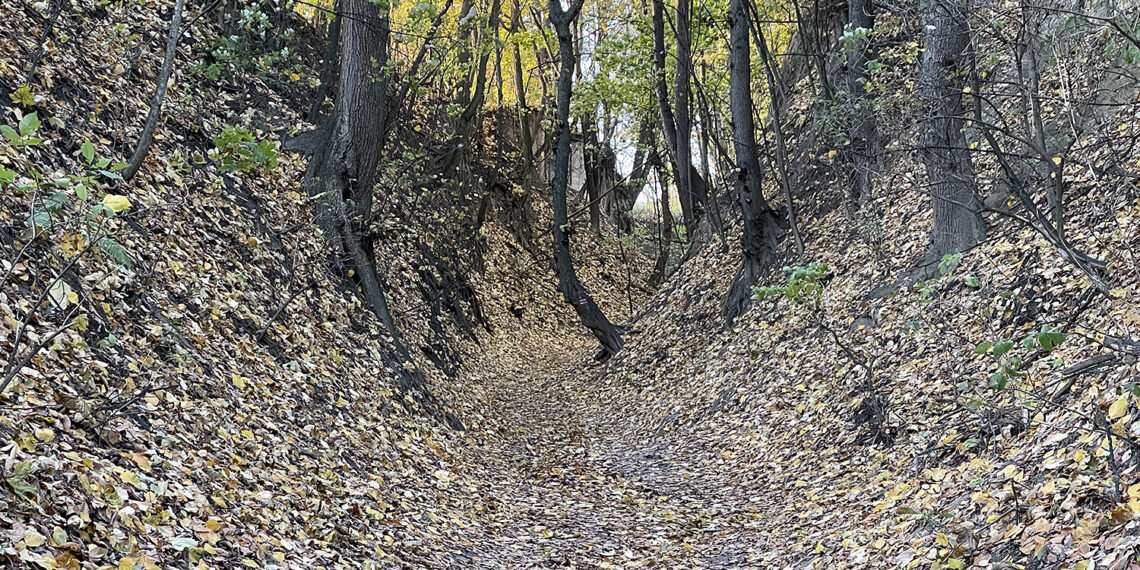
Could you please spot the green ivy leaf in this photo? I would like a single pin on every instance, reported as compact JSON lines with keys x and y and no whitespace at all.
{"x":983,"y":347}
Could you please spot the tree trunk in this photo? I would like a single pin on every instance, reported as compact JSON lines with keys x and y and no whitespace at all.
{"x":665,"y":110}
{"x":623,"y":198}
{"x":665,"y":237}
{"x":778,"y":128}
{"x":592,"y":168}
{"x":958,"y":225}
{"x":155,"y":114}
{"x":760,"y":229}
{"x":467,"y":13}
{"x":862,"y":130}
{"x":686,"y":189}
{"x":520,"y":93}
{"x":572,"y":290}
{"x":343,"y":169}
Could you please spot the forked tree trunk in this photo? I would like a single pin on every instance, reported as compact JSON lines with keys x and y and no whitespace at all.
{"x":623,"y":197}
{"x":520,"y":92}
{"x":572,"y":290}
{"x":760,"y":229}
{"x":958,"y":224}
{"x":777,"y":106}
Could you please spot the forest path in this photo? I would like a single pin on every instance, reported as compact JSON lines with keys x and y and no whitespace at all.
{"x":572,"y":490}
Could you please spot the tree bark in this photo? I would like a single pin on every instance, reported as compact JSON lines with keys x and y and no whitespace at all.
{"x":760,"y":229}
{"x":665,"y":237}
{"x":155,"y":114}
{"x":682,"y":78}
{"x":572,"y":290}
{"x":862,"y":129}
{"x":958,"y":224}
{"x":343,"y":170}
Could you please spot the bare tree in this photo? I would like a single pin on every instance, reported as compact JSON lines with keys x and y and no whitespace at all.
{"x":155,"y":114}
{"x":572,"y":290}
{"x":760,"y":228}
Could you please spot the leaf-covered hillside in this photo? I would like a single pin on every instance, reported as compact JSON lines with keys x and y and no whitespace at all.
{"x":582,"y":284}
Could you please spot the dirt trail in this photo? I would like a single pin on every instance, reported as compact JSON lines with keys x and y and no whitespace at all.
{"x":575,"y":492}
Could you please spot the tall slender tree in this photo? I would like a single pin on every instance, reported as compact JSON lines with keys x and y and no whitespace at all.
{"x":691,"y":203}
{"x":862,"y":129}
{"x":155,"y":114}
{"x":760,"y":228}
{"x":568,"y":284}
{"x":958,"y":224}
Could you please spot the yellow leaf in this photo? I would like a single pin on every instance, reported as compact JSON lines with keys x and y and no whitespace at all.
{"x":238,"y":381}
{"x":141,"y":460}
{"x":1118,"y":407}
{"x":132,"y":479}
{"x":116,"y":202}
{"x":72,"y":297}
{"x":33,"y":538}
{"x":1056,"y":160}
{"x":23,"y":96}
{"x":126,"y":563}
{"x":214,"y":524}
{"x":45,"y":434}
{"x":1080,"y":455}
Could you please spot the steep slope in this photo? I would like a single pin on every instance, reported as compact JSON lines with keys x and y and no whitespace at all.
{"x":212,"y":393}
{"x":892,"y":443}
